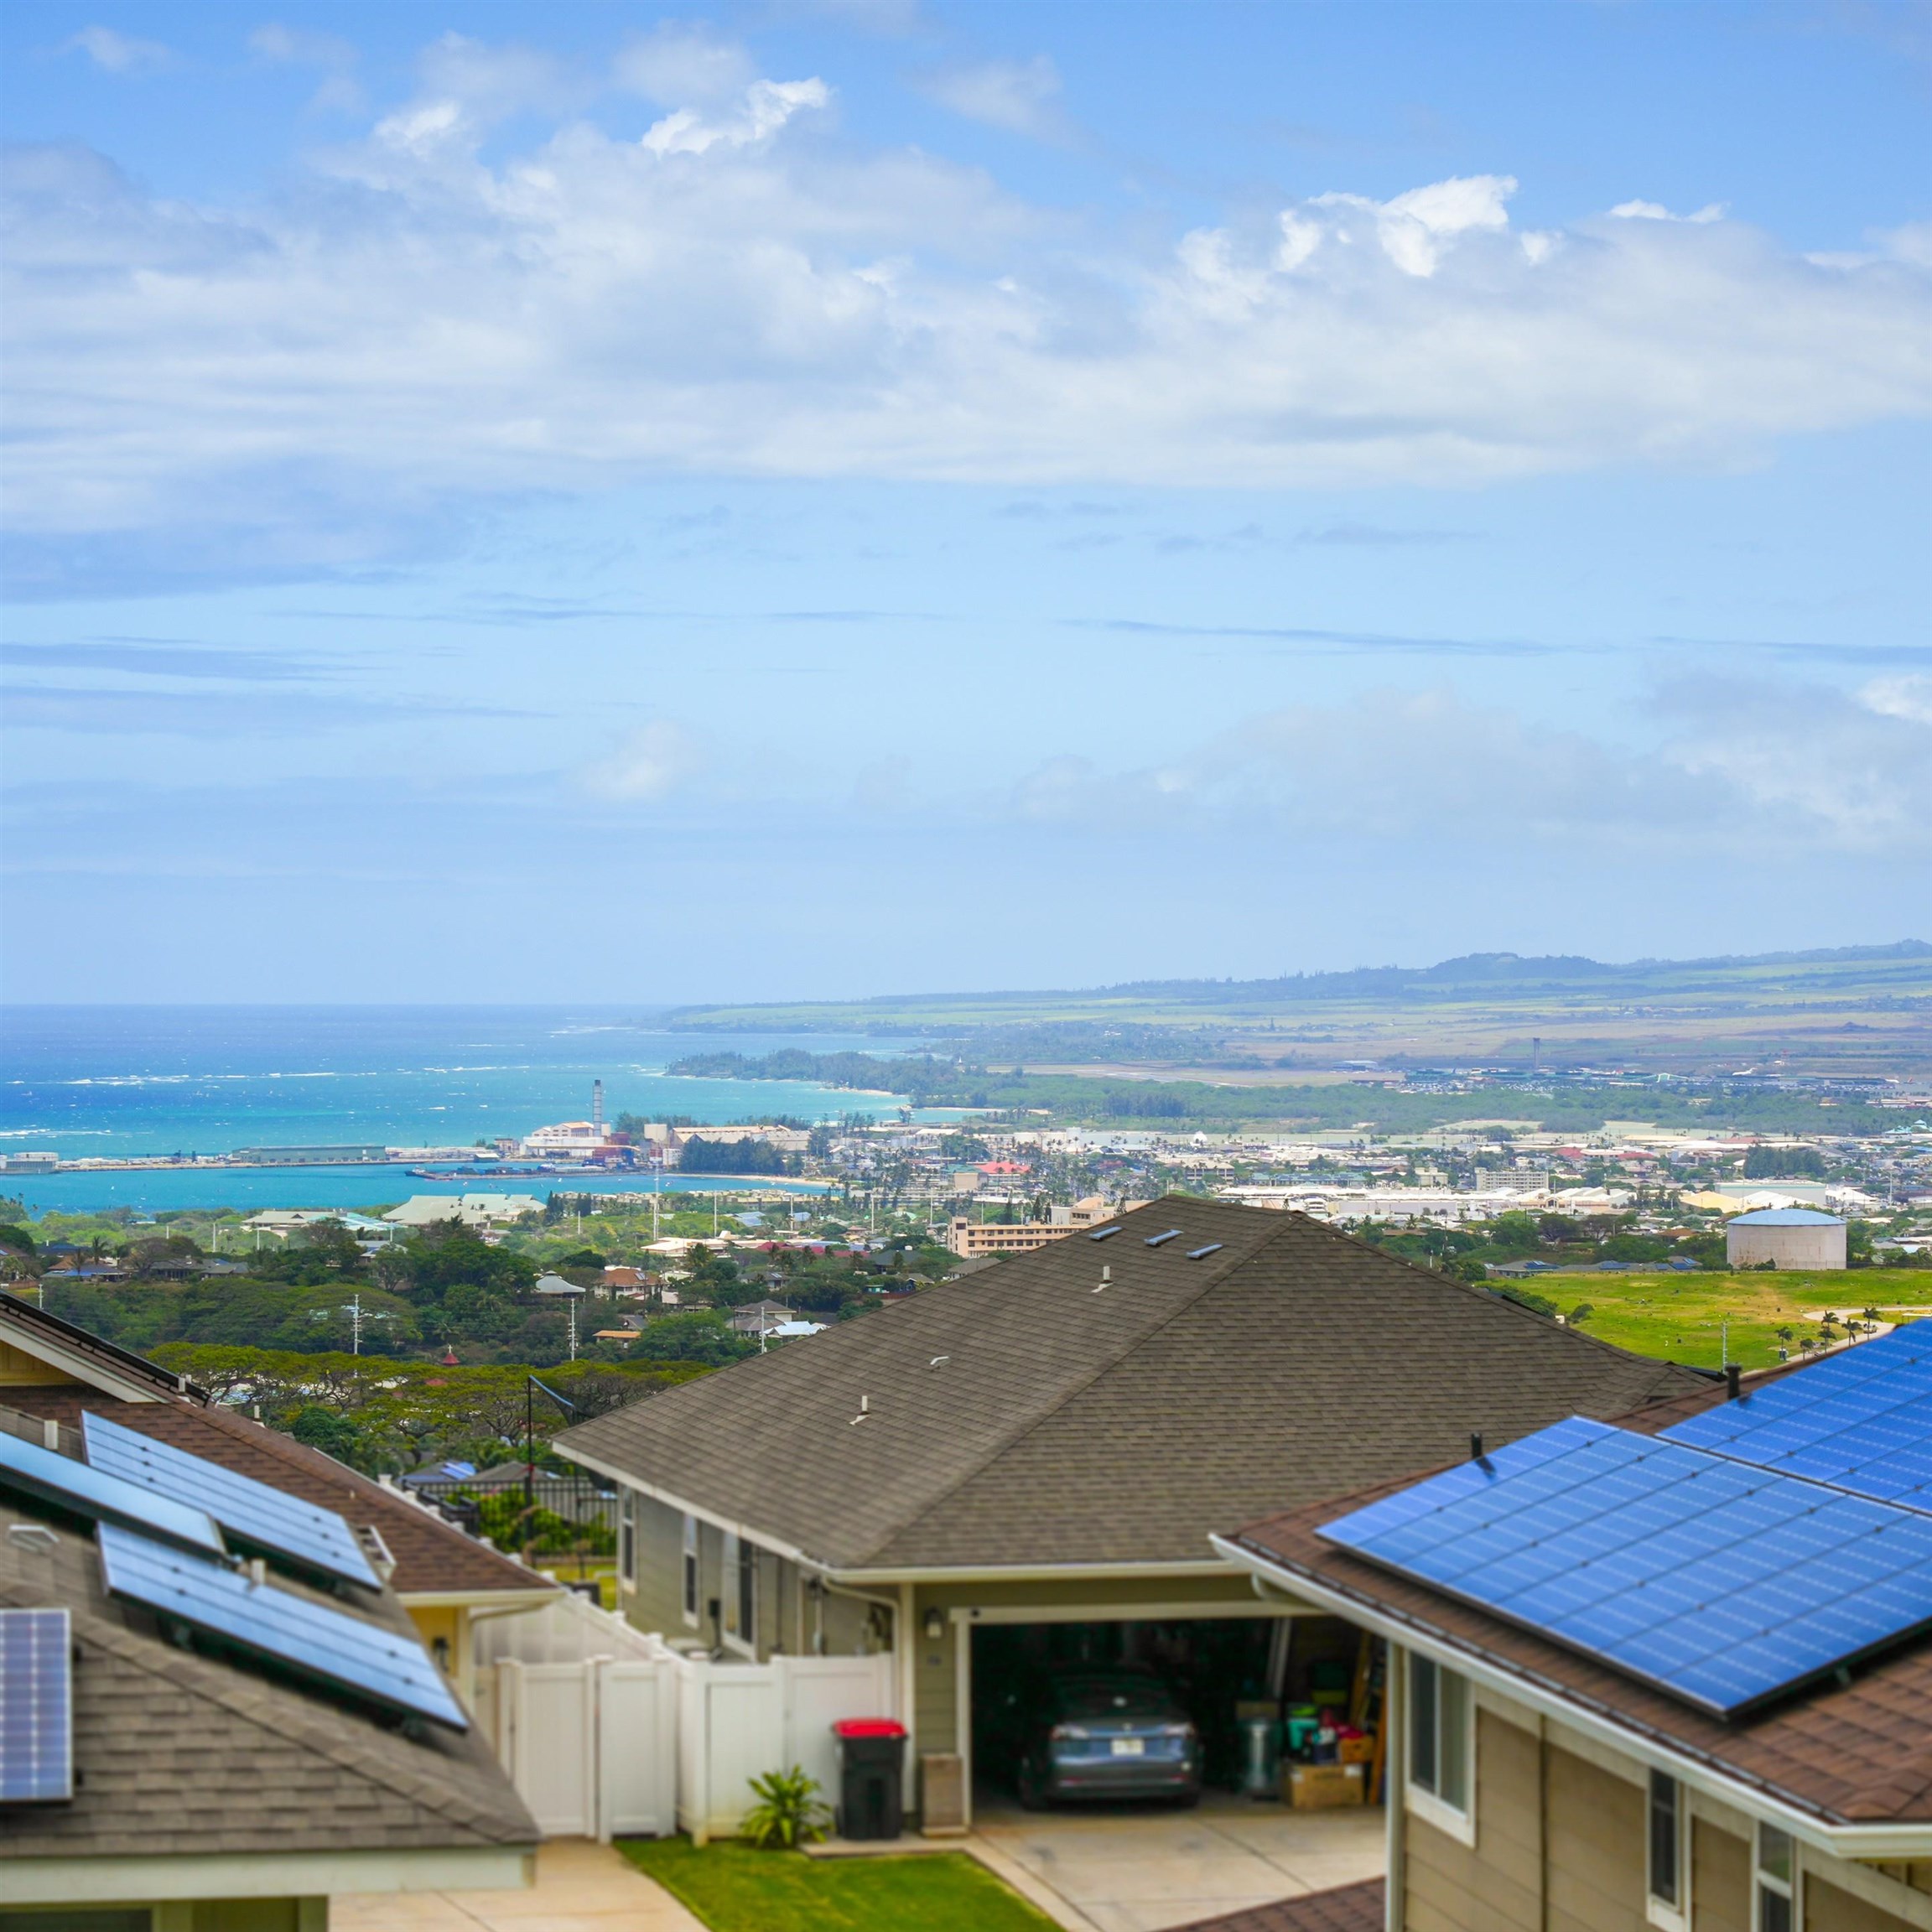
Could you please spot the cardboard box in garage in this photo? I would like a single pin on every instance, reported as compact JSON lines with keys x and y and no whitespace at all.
{"x":1323,"y":1787}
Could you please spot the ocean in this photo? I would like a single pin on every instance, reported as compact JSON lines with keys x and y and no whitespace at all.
{"x":118,"y":1081}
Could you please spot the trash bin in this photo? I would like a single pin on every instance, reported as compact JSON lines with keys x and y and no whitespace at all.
{"x":871,"y":1777}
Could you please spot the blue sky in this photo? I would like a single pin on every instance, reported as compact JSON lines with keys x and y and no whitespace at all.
{"x":787,"y":500}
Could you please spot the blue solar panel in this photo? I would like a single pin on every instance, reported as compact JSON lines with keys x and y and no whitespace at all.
{"x":29,"y":1470}
{"x":1860,"y":1420}
{"x":389,"y":1667}
{"x":1720,"y":1583}
{"x":36,"y":1707}
{"x":257,"y":1518}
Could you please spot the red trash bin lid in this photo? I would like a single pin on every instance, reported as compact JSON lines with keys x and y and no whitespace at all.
{"x":869,"y":1727}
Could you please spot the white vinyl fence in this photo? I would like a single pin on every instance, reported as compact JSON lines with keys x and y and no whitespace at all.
{"x":605,"y":1731}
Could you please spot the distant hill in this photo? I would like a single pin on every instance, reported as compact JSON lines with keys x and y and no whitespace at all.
{"x":1854,"y":1010}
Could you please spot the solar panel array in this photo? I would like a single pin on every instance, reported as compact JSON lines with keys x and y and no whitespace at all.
{"x":36,"y":1707}
{"x":1860,"y":1420}
{"x":82,"y":1490}
{"x":1722,"y":1583}
{"x":388,"y":1667}
{"x":257,"y":1518}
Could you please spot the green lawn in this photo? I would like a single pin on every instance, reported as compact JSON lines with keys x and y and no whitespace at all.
{"x":1678,"y":1318}
{"x":733,"y":1888}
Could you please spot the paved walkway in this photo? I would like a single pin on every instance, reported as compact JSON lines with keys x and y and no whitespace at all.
{"x":1147,"y":1871}
{"x":581,"y":1888}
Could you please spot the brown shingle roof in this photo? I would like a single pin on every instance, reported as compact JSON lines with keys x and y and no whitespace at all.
{"x":1343,"y":1909}
{"x":1860,"y":1753}
{"x":177,"y":1753}
{"x":432,"y":1556}
{"x":1021,"y":1417}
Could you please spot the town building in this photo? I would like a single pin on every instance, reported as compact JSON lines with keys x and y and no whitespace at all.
{"x":472,"y":1210}
{"x":1045,"y":1445}
{"x":970,"y":1240}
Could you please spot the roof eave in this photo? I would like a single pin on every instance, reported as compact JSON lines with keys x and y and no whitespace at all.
{"x":1827,"y":1830}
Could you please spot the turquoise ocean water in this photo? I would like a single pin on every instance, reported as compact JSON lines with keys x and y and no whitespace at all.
{"x":130,"y":1080}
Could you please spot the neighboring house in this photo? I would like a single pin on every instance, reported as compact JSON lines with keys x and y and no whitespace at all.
{"x":472,"y":1210}
{"x":1049,"y":1442}
{"x":53,"y":1372}
{"x":196,"y":1744}
{"x":1672,"y":1673}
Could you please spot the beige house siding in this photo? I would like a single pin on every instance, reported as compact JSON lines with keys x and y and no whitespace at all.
{"x":1596,"y":1849}
{"x":1828,"y":1909}
{"x":1449,"y":1887}
{"x":1719,"y":1879}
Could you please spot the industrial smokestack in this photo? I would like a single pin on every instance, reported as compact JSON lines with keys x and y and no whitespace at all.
{"x":597,"y":1107}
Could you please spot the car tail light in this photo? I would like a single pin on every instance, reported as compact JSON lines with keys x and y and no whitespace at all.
{"x":1177,"y":1729}
{"x":1069,"y":1731}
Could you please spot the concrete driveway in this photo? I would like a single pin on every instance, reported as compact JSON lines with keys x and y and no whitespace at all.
{"x":581,"y":1886}
{"x":1122,"y":1869}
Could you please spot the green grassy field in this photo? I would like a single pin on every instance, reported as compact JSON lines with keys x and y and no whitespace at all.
{"x":733,"y":1888}
{"x":1682,"y":1317}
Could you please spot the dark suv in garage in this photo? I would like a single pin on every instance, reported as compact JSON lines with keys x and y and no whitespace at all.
{"x":1112,"y":1732}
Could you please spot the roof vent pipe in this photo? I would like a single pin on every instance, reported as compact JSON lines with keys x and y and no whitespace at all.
{"x":1732,"y":1376}
{"x":1475,"y":1444}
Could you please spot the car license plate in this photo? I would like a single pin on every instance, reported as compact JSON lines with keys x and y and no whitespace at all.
{"x":1130,"y":1746}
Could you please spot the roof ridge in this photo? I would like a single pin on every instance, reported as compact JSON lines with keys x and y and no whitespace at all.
{"x":1006,"y":1444}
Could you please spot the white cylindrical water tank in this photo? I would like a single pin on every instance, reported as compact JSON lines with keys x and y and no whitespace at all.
{"x":1790,"y":1237}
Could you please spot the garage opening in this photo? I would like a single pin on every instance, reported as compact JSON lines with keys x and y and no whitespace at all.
{"x":1211,"y":1672}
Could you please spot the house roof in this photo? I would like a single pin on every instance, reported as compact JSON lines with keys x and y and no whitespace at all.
{"x":432,"y":1556}
{"x":180,"y":1752}
{"x":1033,"y":1415}
{"x":1856,"y":1753}
{"x":1359,"y":1907}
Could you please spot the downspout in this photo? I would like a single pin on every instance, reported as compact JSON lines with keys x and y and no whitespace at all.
{"x":1395,"y":1785}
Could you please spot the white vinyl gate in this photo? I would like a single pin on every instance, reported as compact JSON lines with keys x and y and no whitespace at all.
{"x":605,"y":1731}
{"x":582,"y":1712}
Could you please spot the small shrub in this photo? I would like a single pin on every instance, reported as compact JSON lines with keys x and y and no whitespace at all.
{"x":788,"y":1813}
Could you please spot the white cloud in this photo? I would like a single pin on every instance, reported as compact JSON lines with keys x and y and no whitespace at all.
{"x":1743,"y":768}
{"x":1909,"y":697}
{"x":121,"y":53}
{"x":650,"y":763}
{"x":1656,"y":211}
{"x":284,"y":46}
{"x":722,"y":296}
{"x":1022,"y":97}
{"x":765,"y":107}
{"x":679,"y":61}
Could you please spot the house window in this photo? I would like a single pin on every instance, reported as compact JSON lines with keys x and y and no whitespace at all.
{"x":1439,"y":1733}
{"x":627,"y":1538}
{"x":747,"y":1587}
{"x":1777,"y":1880}
{"x":690,"y":1597}
{"x":1665,"y":1850}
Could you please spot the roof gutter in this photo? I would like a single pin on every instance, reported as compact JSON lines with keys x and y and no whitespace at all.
{"x":1700,"y":1770}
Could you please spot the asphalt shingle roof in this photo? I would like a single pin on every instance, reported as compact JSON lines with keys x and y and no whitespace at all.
{"x":177,"y":1752}
{"x":1344,"y":1909}
{"x":1031,"y":1415}
{"x":1854,"y":1753}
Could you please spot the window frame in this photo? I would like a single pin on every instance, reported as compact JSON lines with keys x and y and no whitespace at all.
{"x":1769,"y":1887}
{"x":1670,"y":1915}
{"x":690,"y":1578}
{"x":1425,"y":1710}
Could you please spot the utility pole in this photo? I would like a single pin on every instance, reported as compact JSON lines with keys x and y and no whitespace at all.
{"x":353,"y":1310}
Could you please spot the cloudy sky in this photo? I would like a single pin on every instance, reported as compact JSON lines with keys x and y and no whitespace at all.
{"x":513,"y":502}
